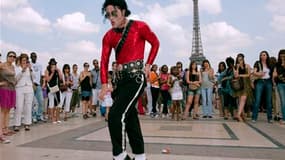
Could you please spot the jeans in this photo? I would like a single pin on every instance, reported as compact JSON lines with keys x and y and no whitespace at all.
{"x":149,"y":98}
{"x":207,"y":106}
{"x":281,"y":91}
{"x":38,"y":113}
{"x":263,"y":85}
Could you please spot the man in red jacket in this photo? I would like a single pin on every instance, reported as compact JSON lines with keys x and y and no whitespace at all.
{"x":128,"y":38}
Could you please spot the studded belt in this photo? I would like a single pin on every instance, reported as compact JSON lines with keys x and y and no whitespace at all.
{"x":131,"y":66}
{"x":132,"y":69}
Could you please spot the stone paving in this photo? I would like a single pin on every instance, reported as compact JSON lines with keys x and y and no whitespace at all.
{"x":203,"y":139}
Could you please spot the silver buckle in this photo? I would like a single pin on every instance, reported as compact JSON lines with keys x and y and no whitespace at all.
{"x":131,"y":66}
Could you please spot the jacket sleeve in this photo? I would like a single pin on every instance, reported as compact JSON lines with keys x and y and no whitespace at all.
{"x":150,"y":37}
{"x":105,"y":56}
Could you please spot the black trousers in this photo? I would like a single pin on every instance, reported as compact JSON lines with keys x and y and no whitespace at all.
{"x":154,"y":95}
{"x":123,"y":115}
{"x":165,"y":98}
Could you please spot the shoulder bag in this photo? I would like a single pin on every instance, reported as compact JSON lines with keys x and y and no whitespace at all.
{"x":253,"y":78}
{"x":193,"y":87}
{"x":237,"y":84}
{"x":53,"y":89}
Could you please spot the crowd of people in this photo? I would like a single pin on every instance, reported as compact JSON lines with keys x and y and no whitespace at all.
{"x":136,"y":86}
{"x":46,"y":94}
{"x":237,"y":90}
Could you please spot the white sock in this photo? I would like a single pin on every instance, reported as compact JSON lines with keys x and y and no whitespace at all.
{"x":140,"y":157}
{"x":121,"y":156}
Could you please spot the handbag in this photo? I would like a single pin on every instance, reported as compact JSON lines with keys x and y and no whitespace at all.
{"x":62,"y":87}
{"x":237,"y":84}
{"x":35,"y":87}
{"x":193,"y":87}
{"x":253,"y":78}
{"x":53,"y":89}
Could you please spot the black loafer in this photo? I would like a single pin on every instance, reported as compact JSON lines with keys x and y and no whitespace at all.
{"x":128,"y":158}
{"x":16,"y":129}
{"x":27,"y":128}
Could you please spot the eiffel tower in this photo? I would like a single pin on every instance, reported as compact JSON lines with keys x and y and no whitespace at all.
{"x":197,"y":49}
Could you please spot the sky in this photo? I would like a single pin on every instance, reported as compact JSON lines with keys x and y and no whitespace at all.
{"x":72,"y":30}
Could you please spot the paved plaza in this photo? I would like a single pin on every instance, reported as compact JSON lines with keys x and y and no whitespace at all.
{"x":204,"y":139}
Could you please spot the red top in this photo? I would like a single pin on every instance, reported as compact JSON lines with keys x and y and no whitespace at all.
{"x":164,"y":77}
{"x":132,"y":49}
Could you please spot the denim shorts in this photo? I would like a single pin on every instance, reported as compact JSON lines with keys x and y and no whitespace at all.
{"x":194,"y":92}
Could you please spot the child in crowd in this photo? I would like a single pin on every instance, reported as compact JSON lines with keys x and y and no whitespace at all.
{"x":164,"y":89}
{"x":176,"y":92}
{"x":108,"y":101}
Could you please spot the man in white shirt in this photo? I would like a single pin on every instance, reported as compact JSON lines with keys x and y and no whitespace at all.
{"x":37,"y":71}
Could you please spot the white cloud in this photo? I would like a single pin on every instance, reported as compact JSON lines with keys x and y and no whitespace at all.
{"x":276,"y":6}
{"x":210,"y":6}
{"x":19,"y":15}
{"x":181,"y":8}
{"x":77,"y":53}
{"x":223,"y":40}
{"x":6,"y":47}
{"x":82,"y":47}
{"x":26,"y":19}
{"x":8,"y":4}
{"x":72,"y":53}
{"x":138,"y":3}
{"x":76,"y":23}
{"x":163,"y":20}
{"x":259,"y":38}
{"x":278,"y":23}
{"x":166,"y":22}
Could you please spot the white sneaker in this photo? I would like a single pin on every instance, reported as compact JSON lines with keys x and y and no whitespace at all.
{"x":4,"y":140}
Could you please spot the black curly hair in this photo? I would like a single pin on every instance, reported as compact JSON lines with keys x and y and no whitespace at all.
{"x":121,"y":4}
{"x":230,"y":61}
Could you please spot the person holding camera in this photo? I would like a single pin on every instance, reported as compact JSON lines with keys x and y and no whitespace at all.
{"x":24,"y":94}
{"x":86,"y":89}
{"x":53,"y":76}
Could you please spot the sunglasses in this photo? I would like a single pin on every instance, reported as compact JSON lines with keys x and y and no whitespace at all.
{"x":108,"y":15}
{"x":12,"y":56}
{"x":86,"y":66}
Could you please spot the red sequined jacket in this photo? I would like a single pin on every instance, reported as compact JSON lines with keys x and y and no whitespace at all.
{"x":132,"y":49}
